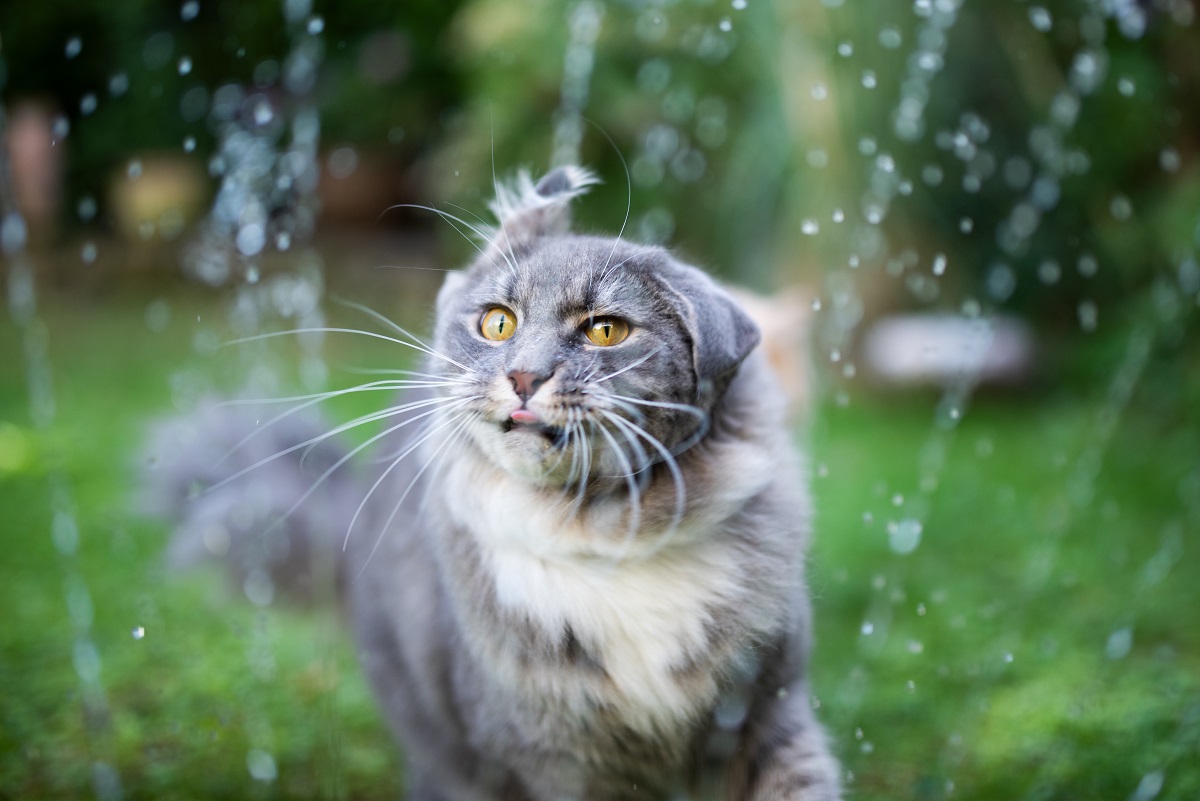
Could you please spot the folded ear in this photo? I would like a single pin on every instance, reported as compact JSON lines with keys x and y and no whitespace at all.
{"x":722,"y":334}
{"x":526,"y":211}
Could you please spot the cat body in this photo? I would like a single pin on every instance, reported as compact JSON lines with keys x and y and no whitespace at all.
{"x":582,"y":577}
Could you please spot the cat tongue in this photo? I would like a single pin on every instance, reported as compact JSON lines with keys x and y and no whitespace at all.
{"x":523,"y":416}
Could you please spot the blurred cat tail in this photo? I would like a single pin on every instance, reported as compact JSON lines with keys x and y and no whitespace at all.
{"x":785,"y":320}
{"x":267,"y":499}
{"x":526,"y":211}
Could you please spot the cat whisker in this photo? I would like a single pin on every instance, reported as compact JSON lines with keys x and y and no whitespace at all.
{"x":462,"y":421}
{"x":334,"y":330}
{"x":416,"y":341}
{"x":451,"y":219}
{"x":311,"y":441}
{"x":309,"y":401}
{"x":629,"y":366}
{"x":447,"y":380}
{"x":669,"y":460}
{"x":395,"y":462}
{"x":635,"y":505}
{"x":347,"y":457}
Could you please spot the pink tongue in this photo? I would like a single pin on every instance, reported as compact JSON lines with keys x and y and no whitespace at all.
{"x":523,"y":416}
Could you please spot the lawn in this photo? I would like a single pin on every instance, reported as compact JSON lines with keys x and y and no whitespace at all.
{"x":1004,"y":606}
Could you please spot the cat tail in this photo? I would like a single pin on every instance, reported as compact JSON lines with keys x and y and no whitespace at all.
{"x":260,"y":498}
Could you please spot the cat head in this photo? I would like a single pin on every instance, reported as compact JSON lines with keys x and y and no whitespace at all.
{"x":583,"y":355}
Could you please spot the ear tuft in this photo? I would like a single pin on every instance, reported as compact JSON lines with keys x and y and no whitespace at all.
{"x":526,"y":211}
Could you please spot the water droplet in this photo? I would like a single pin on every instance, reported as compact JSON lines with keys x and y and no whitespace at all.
{"x":868,"y":79}
{"x":819,"y":92}
{"x":966,"y":225}
{"x":1126,"y":86}
{"x":890,"y":38}
{"x":1041,"y":18}
{"x":1119,"y":644}
{"x":1087,"y":265}
{"x":868,"y":518}
{"x":185,"y":65}
{"x":1008,"y":657}
{"x":316,"y":24}
{"x":1049,"y":272}
{"x":88,"y":252}
{"x":1121,"y":208}
{"x":921,"y":610}
{"x":87,"y":104}
{"x":13,"y":234}
{"x":904,"y":536}
{"x":838,"y":215}
{"x":867,"y":628}
{"x":261,"y":765}
{"x":251,"y":238}
{"x":810,"y":227}
{"x":189,"y":144}
{"x":939,"y":264}
{"x":189,"y":10}
{"x":739,"y":5}
{"x":1169,"y":160}
{"x":897,"y":499}
{"x":1088,"y":316}
{"x":1149,"y":787}
{"x":118,"y":84}
{"x":74,"y":46}
{"x":134,"y":169}
{"x":138,"y":632}
{"x":845,"y":49}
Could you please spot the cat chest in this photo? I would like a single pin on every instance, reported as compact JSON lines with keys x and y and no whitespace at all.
{"x":637,"y":637}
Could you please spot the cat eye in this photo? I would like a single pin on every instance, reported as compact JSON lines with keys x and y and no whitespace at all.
{"x":605,"y":331}
{"x":498,"y":324}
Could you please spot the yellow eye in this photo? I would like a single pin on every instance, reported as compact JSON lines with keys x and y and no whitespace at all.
{"x":605,"y":331}
{"x":498,"y":324}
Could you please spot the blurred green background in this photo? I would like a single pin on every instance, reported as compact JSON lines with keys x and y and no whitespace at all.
{"x":1005,"y":573}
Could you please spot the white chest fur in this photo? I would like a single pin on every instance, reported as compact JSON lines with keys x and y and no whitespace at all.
{"x":642,"y":617}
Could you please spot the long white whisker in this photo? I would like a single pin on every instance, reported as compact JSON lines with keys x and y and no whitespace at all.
{"x":416,"y":341}
{"x":629,"y":366}
{"x":450,"y":218}
{"x":347,"y":457}
{"x":668,"y":460}
{"x":331,"y":330}
{"x":635,"y":499}
{"x":311,"y":400}
{"x":394,"y":463}
{"x":391,"y":412}
{"x":396,"y":509}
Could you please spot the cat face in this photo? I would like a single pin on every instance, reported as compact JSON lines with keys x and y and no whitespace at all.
{"x":583,"y":359}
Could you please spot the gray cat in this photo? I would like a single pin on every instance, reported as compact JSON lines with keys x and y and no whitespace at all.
{"x":579,"y":574}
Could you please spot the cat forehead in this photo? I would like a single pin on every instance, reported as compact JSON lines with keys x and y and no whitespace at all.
{"x":577,"y":269}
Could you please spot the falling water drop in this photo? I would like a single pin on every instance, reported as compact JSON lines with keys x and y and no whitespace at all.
{"x":74,"y":46}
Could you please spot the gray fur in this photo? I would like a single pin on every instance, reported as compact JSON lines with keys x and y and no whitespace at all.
{"x":569,"y":609}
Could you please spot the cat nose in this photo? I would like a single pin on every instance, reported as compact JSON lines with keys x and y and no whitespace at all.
{"x":525,"y":384}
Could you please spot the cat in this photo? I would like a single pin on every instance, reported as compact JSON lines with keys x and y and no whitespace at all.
{"x":580,"y":573}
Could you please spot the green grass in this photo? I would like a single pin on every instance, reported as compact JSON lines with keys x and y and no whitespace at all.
{"x":1038,"y":643}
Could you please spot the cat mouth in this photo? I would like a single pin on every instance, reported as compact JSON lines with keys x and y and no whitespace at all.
{"x":553,"y":434}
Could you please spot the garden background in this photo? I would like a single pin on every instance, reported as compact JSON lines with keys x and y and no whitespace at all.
{"x":1006,"y":569}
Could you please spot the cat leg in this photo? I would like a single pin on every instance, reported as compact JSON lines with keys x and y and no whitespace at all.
{"x":784,"y":755}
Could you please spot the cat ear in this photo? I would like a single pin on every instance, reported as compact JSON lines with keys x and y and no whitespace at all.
{"x":526,"y":211}
{"x":722,"y":334}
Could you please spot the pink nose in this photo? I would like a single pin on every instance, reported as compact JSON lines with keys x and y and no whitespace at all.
{"x":525,"y":384}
